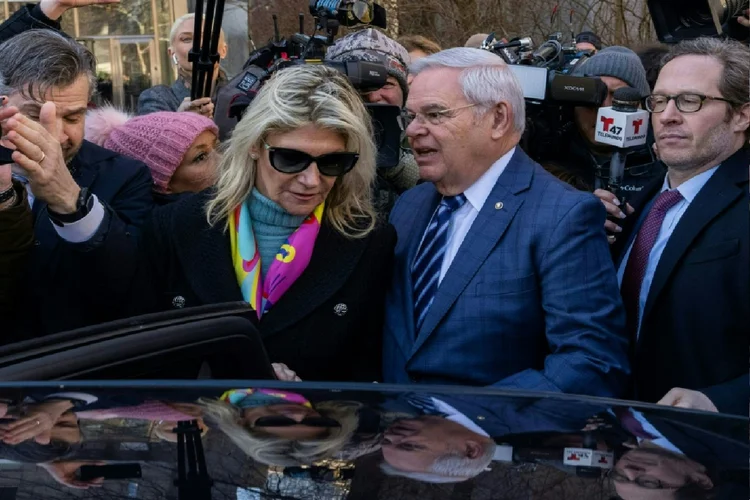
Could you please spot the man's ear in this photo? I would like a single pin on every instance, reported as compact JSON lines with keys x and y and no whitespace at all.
{"x":702,"y":479}
{"x":473,"y":449}
{"x":502,"y":120}
{"x":741,"y":118}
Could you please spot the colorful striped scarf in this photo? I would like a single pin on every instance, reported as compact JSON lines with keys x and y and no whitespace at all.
{"x":291,"y":261}
{"x":253,"y":398}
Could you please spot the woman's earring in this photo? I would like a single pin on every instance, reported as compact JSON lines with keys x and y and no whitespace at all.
{"x":174,"y":59}
{"x":254,"y":156}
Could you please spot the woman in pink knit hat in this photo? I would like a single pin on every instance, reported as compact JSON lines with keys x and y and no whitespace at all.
{"x":178,"y":148}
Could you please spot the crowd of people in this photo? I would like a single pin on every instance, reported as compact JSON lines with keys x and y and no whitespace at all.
{"x":469,"y":263}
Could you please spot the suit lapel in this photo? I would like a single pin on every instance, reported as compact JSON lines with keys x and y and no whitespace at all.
{"x":333,"y":260}
{"x":483,"y":236}
{"x":721,"y":190}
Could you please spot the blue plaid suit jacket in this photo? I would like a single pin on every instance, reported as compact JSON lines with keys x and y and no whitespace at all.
{"x":530,"y":301}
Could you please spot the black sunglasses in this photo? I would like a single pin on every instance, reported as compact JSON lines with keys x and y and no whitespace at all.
{"x":292,"y":161}
{"x":281,"y":421}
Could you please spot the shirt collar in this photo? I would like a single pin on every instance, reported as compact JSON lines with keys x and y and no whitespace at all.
{"x":478,"y":192}
{"x":456,"y":416}
{"x":690,"y":188}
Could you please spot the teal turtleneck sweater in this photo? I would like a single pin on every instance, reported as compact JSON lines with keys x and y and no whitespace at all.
{"x":272,"y":226}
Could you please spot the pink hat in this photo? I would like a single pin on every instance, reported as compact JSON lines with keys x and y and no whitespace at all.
{"x":160,"y":140}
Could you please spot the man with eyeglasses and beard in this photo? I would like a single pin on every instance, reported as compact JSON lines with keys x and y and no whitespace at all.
{"x":682,"y":251}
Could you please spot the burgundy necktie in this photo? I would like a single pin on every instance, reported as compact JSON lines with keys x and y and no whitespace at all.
{"x":635,"y":269}
{"x":631,"y":424}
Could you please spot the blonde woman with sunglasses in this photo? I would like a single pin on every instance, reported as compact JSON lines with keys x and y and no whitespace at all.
{"x":289,"y":228}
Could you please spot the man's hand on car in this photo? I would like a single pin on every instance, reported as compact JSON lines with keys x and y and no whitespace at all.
{"x":284,"y":373}
{"x":66,"y":473}
{"x":685,"y":398}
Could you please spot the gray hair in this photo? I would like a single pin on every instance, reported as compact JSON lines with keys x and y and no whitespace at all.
{"x":36,"y":61}
{"x":450,"y":468}
{"x":733,"y":55}
{"x":485,"y":80}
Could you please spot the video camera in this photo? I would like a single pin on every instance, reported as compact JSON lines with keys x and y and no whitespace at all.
{"x":551,"y":92}
{"x":544,"y":72}
{"x":280,"y":53}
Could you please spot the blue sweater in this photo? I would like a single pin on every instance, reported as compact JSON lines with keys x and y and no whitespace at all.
{"x":272,"y":226}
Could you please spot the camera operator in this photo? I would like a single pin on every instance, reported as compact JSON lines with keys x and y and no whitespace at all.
{"x":374,"y":46}
{"x":588,"y":40}
{"x":582,"y":160}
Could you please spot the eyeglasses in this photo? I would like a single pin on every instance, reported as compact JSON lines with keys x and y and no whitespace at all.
{"x":431,"y":117}
{"x":281,"y":421}
{"x":687,"y":103}
{"x":646,"y":482}
{"x":292,"y":161}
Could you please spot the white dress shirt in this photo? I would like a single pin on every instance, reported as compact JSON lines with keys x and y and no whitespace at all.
{"x":74,"y":232}
{"x":689,"y":190}
{"x":456,"y":416}
{"x":503,"y":453}
{"x":464,"y":217}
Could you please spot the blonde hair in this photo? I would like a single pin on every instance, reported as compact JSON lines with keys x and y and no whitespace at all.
{"x":273,"y":450}
{"x":178,"y":22}
{"x":294,"y":98}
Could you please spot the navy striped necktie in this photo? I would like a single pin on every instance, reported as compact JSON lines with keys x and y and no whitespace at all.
{"x":425,"y":272}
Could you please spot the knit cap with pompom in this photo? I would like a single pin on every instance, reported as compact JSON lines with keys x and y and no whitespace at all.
{"x":160,"y":140}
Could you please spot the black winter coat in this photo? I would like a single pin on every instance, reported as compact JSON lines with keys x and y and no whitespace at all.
{"x":27,"y":17}
{"x":694,"y":331}
{"x":57,"y":283}
{"x":327,"y":326}
{"x":16,"y":239}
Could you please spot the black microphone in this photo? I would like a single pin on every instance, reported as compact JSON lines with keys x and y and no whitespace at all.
{"x":623,"y":126}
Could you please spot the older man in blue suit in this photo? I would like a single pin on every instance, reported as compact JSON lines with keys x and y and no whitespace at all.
{"x":503,"y":275}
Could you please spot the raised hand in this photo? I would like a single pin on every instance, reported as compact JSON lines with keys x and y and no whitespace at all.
{"x":202,"y":106}
{"x":53,"y":9}
{"x":39,"y":154}
{"x":614,"y":208}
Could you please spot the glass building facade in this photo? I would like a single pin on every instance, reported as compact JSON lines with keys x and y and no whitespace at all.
{"x":129,"y":40}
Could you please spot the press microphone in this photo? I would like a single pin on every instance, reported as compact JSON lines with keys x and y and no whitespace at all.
{"x":623,"y":126}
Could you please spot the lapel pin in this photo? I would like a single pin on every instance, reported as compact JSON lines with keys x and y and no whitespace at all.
{"x":340,"y":309}
{"x":499,"y":205}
